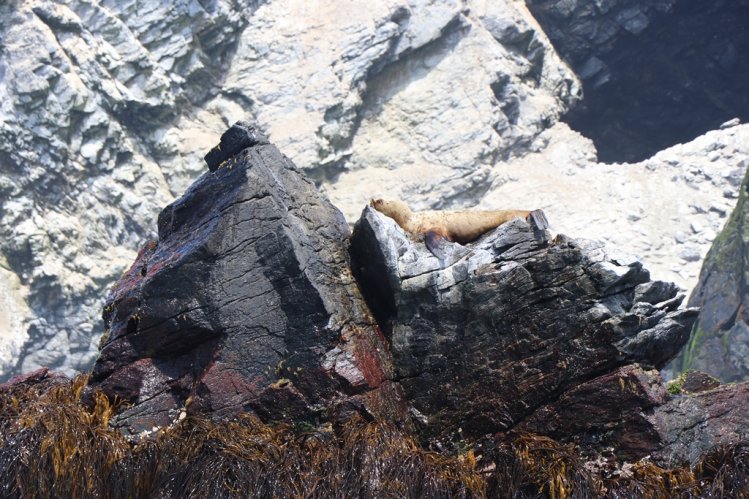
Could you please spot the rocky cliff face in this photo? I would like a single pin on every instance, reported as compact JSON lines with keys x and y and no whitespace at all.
{"x":719,"y":344}
{"x":107,"y":108}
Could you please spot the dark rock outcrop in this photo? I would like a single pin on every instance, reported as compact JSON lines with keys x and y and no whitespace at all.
{"x":245,"y":303}
{"x":719,"y":344}
{"x":689,"y":426}
{"x":607,"y":412}
{"x":584,"y":32}
{"x":509,"y":325}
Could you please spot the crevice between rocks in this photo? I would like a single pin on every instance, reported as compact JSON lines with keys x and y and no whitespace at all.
{"x":653,"y":86}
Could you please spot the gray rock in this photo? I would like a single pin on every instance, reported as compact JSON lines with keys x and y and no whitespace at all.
{"x":719,"y":344}
{"x":690,"y":254}
{"x":480,"y":343}
{"x":691,"y":425}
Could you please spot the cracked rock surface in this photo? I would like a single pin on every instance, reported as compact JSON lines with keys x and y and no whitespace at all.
{"x":627,"y":414}
{"x":255,"y":299}
{"x":482,"y":341}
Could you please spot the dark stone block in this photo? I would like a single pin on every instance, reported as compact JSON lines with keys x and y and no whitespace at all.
{"x":245,"y":303}
{"x":240,"y":136}
{"x":482,"y":341}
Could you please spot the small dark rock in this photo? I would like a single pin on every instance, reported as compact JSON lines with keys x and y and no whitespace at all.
{"x":697,"y":381}
{"x":655,"y":292}
{"x":240,"y":136}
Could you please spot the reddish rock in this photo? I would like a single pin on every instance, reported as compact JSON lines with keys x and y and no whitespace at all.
{"x":690,"y":425}
{"x":608,"y":412}
{"x":628,"y":414}
{"x":41,"y":375}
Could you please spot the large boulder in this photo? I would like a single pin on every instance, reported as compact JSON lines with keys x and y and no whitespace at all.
{"x":244,"y":303}
{"x":511,"y":322}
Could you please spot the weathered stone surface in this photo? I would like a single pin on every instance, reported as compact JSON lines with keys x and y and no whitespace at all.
{"x":245,"y":303}
{"x":606,"y":415}
{"x":480,"y":344}
{"x":107,"y":109}
{"x":719,"y":344}
{"x":627,"y":415}
{"x":688,"y":426}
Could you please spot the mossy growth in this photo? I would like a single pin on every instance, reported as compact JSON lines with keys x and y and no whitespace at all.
{"x":696,"y":339}
{"x":54,"y":446}
{"x":674,"y":387}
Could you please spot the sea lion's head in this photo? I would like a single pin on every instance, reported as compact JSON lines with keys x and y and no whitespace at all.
{"x":397,"y":210}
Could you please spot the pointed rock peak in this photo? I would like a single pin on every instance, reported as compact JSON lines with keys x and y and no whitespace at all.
{"x":245,"y":303}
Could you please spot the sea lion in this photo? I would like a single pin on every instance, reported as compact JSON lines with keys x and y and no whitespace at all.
{"x":461,"y":226}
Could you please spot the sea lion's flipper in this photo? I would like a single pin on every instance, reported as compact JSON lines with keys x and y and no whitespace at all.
{"x":540,"y":224}
{"x":437,"y":244}
{"x":446,"y":251}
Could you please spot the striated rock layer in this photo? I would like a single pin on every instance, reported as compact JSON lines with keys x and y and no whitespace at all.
{"x":107,"y":107}
{"x":248,"y":303}
{"x":511,"y":322}
{"x":627,"y":414}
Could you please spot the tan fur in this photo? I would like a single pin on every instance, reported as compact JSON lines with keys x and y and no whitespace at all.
{"x":460,"y":226}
